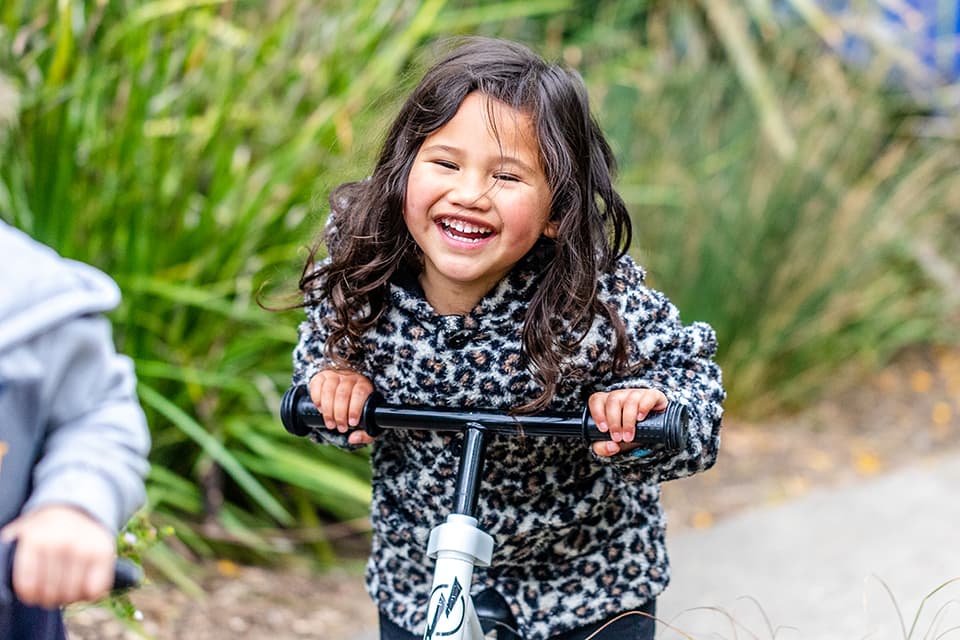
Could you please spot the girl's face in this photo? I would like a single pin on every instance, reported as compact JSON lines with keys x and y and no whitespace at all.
{"x":476,"y":202}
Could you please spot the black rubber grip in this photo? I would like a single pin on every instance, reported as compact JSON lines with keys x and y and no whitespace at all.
{"x":126,"y":575}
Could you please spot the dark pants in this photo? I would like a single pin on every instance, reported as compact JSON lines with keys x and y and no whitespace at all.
{"x":636,"y":626}
{"x":20,"y":622}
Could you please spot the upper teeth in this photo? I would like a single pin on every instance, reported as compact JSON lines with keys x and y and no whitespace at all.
{"x":463,"y":227}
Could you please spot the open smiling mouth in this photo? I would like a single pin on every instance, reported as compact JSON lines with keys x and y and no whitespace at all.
{"x":463,"y":231}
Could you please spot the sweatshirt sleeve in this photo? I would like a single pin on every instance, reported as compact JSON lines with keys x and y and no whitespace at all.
{"x":95,"y":451}
{"x":677,"y":360}
{"x":309,"y":359}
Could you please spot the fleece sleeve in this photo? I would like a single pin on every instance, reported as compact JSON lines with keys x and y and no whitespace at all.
{"x":676,"y":359}
{"x":309,"y":359}
{"x":94,"y":455}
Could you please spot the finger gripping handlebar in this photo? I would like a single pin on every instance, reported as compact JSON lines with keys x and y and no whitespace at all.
{"x":668,"y":428}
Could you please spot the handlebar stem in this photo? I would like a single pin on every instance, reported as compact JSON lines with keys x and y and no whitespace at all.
{"x":472,"y":459}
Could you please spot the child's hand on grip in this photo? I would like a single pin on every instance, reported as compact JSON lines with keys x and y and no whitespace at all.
{"x":63,"y":556}
{"x":618,"y":413}
{"x":340,"y":394}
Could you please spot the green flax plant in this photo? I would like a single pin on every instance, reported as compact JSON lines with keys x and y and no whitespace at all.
{"x":813,"y":259}
{"x":184,"y":146}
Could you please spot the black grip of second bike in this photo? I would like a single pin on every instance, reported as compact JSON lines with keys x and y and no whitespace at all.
{"x":126,"y":575}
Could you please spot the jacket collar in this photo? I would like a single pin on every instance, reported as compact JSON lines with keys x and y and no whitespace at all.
{"x":504,"y":303}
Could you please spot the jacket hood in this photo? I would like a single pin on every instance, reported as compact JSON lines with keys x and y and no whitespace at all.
{"x":41,"y":289}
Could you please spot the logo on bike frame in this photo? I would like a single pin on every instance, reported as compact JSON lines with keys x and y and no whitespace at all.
{"x":449,"y":612}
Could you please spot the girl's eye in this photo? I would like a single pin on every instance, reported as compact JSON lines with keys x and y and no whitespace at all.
{"x":507,"y":177}
{"x":446,"y":164}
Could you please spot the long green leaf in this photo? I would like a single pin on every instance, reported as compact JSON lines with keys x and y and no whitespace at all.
{"x":215,"y":449}
{"x":310,"y":472}
{"x":733,"y":31}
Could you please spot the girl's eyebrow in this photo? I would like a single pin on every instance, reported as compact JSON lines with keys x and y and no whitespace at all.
{"x":504,"y":160}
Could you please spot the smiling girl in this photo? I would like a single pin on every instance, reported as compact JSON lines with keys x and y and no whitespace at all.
{"x":483,"y":264}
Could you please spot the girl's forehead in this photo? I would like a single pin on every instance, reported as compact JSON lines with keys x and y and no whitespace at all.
{"x":496,"y":109}
{"x":497,"y":117}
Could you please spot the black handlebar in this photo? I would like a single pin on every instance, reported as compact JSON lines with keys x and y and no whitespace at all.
{"x":300,"y":417}
{"x":126,"y":574}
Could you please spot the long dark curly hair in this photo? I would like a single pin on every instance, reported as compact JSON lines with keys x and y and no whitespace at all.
{"x":368,"y":242}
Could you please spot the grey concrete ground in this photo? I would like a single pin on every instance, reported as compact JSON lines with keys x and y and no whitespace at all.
{"x":816,"y":568}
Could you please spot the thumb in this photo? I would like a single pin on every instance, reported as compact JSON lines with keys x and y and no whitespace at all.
{"x":606,"y":448}
{"x":359,"y":437}
{"x":10,"y":532}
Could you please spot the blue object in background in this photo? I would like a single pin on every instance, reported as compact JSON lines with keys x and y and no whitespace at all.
{"x":937,"y":40}
{"x":929,"y":29}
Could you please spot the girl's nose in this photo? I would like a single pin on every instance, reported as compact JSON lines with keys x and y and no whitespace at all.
{"x":471,"y":191}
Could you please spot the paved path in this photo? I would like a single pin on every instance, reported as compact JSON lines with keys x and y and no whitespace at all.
{"x":815,"y":565}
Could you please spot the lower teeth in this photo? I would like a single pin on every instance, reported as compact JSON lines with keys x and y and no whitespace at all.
{"x":450,"y":232}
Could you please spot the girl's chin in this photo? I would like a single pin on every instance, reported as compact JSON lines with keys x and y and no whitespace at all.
{"x":455,"y":278}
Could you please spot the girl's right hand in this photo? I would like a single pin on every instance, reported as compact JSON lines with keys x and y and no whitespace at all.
{"x":340,"y":394}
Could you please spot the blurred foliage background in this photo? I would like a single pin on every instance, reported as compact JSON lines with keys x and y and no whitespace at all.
{"x":791,"y":167}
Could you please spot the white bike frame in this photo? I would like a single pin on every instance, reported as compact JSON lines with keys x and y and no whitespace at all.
{"x":458,"y":545}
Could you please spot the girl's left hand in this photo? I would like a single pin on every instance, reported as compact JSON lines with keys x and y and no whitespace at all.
{"x":619,"y":412}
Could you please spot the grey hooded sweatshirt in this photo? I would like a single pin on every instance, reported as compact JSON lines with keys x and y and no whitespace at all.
{"x":71,"y":428}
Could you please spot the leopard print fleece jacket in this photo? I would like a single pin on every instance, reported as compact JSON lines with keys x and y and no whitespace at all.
{"x":578,"y":537}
